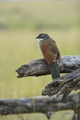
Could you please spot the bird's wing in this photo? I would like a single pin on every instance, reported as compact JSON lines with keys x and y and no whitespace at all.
{"x":49,"y":50}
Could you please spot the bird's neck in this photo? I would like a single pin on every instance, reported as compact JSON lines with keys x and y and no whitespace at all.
{"x":41,"y":39}
{"x":39,"y":42}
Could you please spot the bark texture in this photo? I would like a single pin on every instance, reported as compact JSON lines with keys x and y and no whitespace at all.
{"x":63,"y":85}
{"x":40,"y":67}
{"x":60,"y":86}
{"x":40,"y":104}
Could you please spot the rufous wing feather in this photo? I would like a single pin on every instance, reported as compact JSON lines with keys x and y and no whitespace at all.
{"x":51,"y":54}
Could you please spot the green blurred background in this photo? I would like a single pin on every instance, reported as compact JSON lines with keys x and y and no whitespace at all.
{"x":20,"y":23}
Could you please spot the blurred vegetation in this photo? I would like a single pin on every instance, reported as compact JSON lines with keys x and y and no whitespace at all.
{"x":20,"y":23}
{"x":40,"y":15}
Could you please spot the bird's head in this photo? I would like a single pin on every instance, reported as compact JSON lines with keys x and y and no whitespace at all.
{"x":43,"y":36}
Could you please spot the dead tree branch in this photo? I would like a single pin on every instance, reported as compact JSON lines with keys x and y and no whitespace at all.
{"x":40,"y":67}
{"x":61,"y":86}
{"x":39,"y":105}
{"x":64,"y":84}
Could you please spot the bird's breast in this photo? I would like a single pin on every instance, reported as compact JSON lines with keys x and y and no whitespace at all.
{"x":39,"y":42}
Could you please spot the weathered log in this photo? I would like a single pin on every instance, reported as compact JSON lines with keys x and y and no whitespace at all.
{"x":39,"y":105}
{"x":40,"y":67}
{"x":63,"y":85}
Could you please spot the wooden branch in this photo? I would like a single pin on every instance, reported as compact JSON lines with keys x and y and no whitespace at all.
{"x":40,"y":67}
{"x":39,"y":105}
{"x":63,"y":85}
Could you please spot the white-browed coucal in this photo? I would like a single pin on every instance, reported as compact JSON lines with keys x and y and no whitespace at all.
{"x":50,"y":52}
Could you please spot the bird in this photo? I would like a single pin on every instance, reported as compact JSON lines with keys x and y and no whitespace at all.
{"x":51,"y":53}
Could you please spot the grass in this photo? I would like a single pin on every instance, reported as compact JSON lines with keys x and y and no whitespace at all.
{"x":38,"y":15}
{"x":20,"y":23}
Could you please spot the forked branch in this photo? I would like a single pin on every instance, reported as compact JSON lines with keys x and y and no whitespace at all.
{"x":61,"y":86}
{"x":64,"y":84}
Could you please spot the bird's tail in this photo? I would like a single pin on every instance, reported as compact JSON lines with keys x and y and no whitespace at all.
{"x":54,"y":70}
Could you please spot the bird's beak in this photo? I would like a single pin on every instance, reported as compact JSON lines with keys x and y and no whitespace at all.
{"x":37,"y":37}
